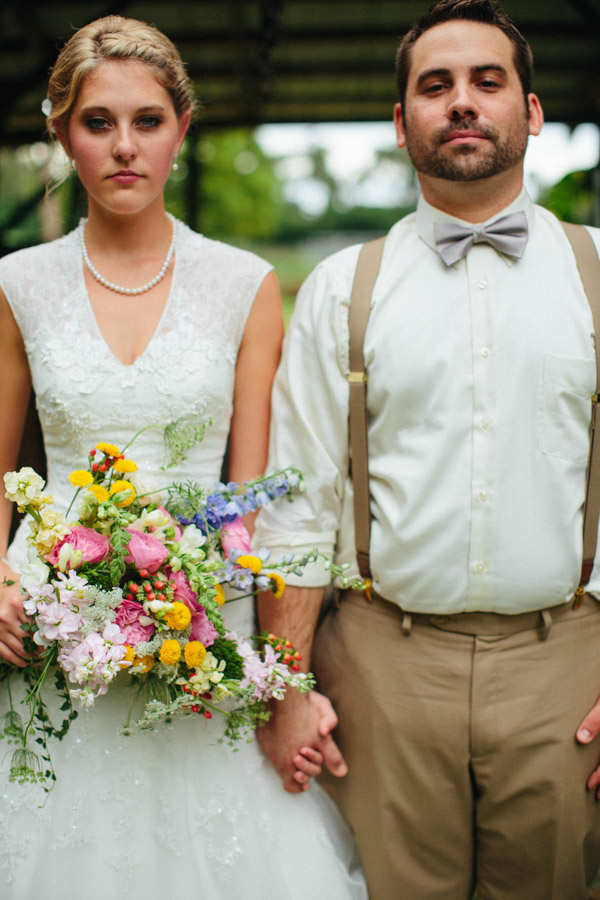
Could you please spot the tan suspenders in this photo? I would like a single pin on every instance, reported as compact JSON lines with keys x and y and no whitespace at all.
{"x":367,"y":269}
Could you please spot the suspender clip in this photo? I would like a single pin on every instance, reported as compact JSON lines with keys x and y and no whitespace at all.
{"x":357,"y":377}
{"x":578,"y":598}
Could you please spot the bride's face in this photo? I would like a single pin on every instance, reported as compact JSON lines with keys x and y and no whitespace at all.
{"x":123,"y":135}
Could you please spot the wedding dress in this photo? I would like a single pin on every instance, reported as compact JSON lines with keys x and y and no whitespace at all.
{"x":172,"y":813}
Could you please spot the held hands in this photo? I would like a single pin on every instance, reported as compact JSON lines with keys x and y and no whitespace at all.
{"x":587,"y":731}
{"x":298,"y":741}
{"x":12,"y":617}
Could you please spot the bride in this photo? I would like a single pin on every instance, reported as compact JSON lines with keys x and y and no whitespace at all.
{"x":131,"y":320}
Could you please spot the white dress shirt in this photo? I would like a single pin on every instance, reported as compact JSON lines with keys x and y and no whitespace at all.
{"x":480,"y":379}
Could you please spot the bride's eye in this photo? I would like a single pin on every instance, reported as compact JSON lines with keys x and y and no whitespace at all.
{"x":149,"y":121}
{"x":97,"y":124}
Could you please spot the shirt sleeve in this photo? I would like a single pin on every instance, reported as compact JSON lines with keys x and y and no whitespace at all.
{"x":309,"y":420}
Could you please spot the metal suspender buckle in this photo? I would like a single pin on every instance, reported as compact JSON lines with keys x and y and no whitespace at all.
{"x":357,"y":377}
{"x":578,"y":597}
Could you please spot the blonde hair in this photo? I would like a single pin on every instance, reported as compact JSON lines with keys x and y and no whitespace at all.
{"x":115,"y":38}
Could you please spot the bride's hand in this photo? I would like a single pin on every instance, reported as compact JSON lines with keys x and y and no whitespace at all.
{"x":12,"y":617}
{"x":309,"y":761}
{"x":298,"y":742}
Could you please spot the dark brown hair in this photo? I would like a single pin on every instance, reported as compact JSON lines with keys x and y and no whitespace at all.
{"x":473,"y":11}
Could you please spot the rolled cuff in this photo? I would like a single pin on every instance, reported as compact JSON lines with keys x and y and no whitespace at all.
{"x":281,"y":544}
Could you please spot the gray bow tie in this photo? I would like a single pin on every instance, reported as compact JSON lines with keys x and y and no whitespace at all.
{"x":508,"y":234}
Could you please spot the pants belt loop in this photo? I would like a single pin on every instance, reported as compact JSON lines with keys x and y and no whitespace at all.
{"x":544,"y":624}
{"x":406,"y":624}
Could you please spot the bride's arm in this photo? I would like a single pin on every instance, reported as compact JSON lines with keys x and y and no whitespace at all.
{"x":257,"y":362}
{"x":15,"y":387}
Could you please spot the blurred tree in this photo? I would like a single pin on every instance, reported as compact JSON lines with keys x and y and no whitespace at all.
{"x":572,"y":198}
{"x":240,"y":194}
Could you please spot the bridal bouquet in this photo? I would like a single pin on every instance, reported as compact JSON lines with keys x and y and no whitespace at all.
{"x":135,"y":588}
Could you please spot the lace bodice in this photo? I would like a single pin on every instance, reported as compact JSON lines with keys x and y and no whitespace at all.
{"x":85,"y":394}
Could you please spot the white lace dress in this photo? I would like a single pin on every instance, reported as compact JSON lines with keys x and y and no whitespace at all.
{"x":173,"y":814}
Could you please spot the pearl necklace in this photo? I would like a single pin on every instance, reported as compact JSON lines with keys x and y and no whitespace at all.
{"x":125,"y":290}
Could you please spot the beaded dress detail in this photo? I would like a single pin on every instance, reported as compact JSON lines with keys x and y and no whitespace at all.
{"x":173,"y":813}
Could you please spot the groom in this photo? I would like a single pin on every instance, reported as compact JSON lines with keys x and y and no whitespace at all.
{"x":464,"y":686}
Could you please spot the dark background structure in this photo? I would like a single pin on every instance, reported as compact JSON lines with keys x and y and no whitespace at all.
{"x":257,"y":61}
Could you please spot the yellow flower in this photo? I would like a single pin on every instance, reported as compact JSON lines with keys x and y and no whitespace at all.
{"x":81,"y":478}
{"x":247,"y":561}
{"x":179,"y":617}
{"x":99,"y":492}
{"x":121,"y":486}
{"x":128,"y":658}
{"x":125,"y":465}
{"x":170,"y":653}
{"x":277,"y":583}
{"x":220,"y":598}
{"x":144,"y":662}
{"x":108,"y":449}
{"x":194,"y":652}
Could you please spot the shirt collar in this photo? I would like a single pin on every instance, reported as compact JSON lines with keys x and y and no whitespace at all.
{"x":428,"y":216}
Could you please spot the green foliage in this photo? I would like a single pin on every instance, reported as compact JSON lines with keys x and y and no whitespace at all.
{"x":227,"y":650}
{"x":119,"y":539}
{"x":572,"y":198}
{"x":240,"y":193}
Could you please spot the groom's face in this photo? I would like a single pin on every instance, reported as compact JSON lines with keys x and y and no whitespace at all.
{"x":465,"y":116}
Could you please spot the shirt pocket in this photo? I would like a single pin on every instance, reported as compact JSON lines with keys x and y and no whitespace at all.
{"x":568,"y":387}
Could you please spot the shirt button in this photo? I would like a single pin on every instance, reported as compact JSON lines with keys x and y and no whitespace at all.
{"x":483,"y":496}
{"x":479,"y":568}
{"x":482,"y":284}
{"x":485,"y":352}
{"x":486,"y":423}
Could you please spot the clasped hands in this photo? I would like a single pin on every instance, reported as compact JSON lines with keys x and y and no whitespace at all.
{"x":297,"y":739}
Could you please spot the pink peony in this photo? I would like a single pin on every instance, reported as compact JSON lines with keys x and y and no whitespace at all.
{"x":202,"y":628}
{"x":145,"y":551}
{"x":127,"y":618}
{"x":94,"y":547}
{"x":234,"y":536}
{"x":183,"y":591}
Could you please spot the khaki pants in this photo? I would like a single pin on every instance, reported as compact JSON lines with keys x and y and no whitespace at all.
{"x":463,"y":767}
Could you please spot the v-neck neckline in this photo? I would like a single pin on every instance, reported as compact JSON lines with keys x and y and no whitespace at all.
{"x":99,"y":332}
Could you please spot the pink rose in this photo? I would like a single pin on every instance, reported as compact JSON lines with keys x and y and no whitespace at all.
{"x":127,"y":617}
{"x":234,"y":536}
{"x":202,"y":628}
{"x":145,"y":551}
{"x":93,"y":547}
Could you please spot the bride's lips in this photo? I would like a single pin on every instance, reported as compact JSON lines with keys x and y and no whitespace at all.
{"x":125,"y":176}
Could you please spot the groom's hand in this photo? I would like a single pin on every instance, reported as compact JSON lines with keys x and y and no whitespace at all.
{"x":298,"y":741}
{"x":308,"y":761}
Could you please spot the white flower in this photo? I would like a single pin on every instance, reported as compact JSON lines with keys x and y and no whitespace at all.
{"x":151,"y":520}
{"x":69,"y":557}
{"x":35,"y":572}
{"x":191,"y":539}
{"x":47,"y":107}
{"x":24,"y":487}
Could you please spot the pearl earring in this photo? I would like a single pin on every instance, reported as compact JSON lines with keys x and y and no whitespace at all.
{"x":174,"y":164}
